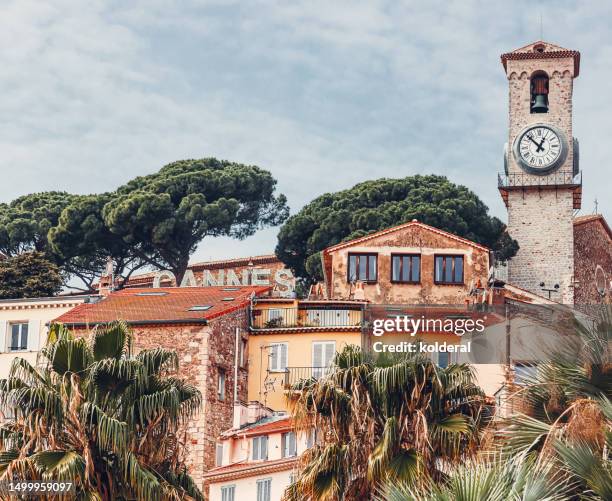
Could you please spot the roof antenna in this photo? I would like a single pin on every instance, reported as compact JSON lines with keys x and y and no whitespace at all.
{"x":541,"y":27}
{"x":596,"y":206}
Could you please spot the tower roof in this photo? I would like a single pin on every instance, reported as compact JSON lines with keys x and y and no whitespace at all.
{"x":542,"y":50}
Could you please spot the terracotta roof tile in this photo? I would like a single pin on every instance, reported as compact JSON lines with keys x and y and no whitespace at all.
{"x":163,"y":305}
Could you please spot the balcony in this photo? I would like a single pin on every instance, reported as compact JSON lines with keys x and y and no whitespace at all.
{"x":305,"y":318}
{"x":558,"y":179}
{"x":296,"y":374}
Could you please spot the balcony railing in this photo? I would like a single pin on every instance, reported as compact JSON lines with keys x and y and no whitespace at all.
{"x":523,"y":180}
{"x":296,"y":374}
{"x":283,"y":318}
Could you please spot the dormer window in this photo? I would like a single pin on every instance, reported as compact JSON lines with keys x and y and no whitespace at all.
{"x":539,"y":92}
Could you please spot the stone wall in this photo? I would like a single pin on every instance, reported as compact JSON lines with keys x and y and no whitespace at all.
{"x":541,"y":222}
{"x":414,"y":239}
{"x":592,"y":250}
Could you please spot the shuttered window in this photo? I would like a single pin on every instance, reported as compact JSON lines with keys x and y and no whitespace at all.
{"x":228,"y":493}
{"x":278,"y":357}
{"x":263,"y":489}
{"x":322,"y":356}
{"x":289,"y":446}
{"x":18,"y":339}
{"x":260,"y":447}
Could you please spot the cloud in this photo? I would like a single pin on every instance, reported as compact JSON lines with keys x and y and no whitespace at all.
{"x":323,"y":94}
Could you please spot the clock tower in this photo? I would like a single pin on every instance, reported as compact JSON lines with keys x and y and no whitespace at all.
{"x":541,"y":184}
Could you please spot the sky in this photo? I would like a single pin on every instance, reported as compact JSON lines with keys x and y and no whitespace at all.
{"x":322,"y":94}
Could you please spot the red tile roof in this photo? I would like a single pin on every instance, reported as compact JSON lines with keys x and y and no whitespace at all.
{"x":163,"y":305}
{"x":248,"y":469}
{"x":265,"y":428}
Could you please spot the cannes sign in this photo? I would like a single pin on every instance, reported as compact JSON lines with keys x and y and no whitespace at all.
{"x":282,"y":280}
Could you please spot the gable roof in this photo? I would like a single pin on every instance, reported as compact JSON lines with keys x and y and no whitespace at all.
{"x":393,"y":229}
{"x":589,"y":218}
{"x":162,"y":305}
{"x":551,"y":51}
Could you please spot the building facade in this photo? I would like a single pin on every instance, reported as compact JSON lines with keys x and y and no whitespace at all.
{"x":208,"y":328}
{"x":257,"y":459}
{"x":24,"y":324}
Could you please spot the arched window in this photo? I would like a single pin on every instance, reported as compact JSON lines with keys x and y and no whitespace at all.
{"x":539,"y":92}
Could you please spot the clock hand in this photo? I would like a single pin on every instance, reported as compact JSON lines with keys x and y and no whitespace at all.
{"x":539,"y":146}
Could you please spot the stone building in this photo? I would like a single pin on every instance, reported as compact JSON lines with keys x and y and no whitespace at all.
{"x":257,"y":458}
{"x":412,"y":263}
{"x":208,"y":327}
{"x":592,"y":260}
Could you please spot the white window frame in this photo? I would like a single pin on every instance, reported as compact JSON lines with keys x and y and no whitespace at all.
{"x":9,"y":335}
{"x":289,"y":444}
{"x":264,"y":489}
{"x":319,"y":370}
{"x":275,"y":361}
{"x":228,"y":492}
{"x":221,"y":380}
{"x":260,"y":448}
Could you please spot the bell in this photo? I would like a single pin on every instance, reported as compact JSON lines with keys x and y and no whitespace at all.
{"x":539,"y":104}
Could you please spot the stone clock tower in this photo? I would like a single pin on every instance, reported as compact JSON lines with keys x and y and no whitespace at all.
{"x":541,"y":184}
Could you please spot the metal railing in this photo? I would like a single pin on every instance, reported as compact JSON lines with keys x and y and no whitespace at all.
{"x":522,"y":179}
{"x":281,"y":318}
{"x":296,"y":374}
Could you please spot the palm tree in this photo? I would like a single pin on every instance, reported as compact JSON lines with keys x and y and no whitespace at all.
{"x":93,"y":414}
{"x":567,"y":414}
{"x":403,"y":419}
{"x":493,"y":479}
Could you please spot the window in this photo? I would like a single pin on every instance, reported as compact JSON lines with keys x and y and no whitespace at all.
{"x":406,"y":268}
{"x":443,"y":359}
{"x":278,"y":357}
{"x":219,"y":455}
{"x":363,"y":267}
{"x":260,"y":447}
{"x":243,"y":352}
{"x":524,"y":372}
{"x":322,"y":356}
{"x":288,"y":444}
{"x":19,"y":337}
{"x":263,"y":489}
{"x":292,"y":478}
{"x":228,"y":492}
{"x":221,"y":384}
{"x":449,"y":270}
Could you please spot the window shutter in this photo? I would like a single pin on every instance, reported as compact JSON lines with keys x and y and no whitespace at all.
{"x":256,"y":448}
{"x":330,"y":350}
{"x":284,"y":445}
{"x":317,"y":355}
{"x":4,"y":342}
{"x":34,"y":335}
{"x":283,"y":357}
{"x":264,"y":447}
{"x":274,"y":357}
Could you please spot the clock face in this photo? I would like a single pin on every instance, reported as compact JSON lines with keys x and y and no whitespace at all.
{"x":540,"y":147}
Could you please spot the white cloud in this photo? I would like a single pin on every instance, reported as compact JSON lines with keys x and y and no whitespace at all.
{"x":324,"y":94}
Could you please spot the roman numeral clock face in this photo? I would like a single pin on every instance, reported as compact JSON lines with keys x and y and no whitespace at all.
{"x":540,"y":148}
